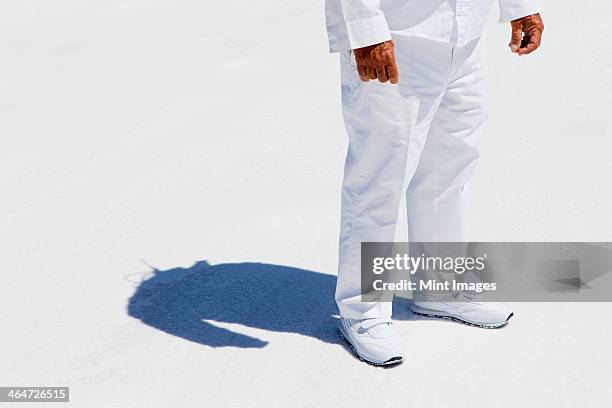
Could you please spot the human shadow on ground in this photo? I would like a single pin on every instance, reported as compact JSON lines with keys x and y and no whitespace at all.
{"x":187,"y":302}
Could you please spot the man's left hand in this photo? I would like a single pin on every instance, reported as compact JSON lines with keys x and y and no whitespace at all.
{"x":526,"y":34}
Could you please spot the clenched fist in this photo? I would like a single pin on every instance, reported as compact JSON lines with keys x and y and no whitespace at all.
{"x":377,"y":61}
{"x":526,"y":34}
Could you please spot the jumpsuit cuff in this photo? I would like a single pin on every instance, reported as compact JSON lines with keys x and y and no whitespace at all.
{"x":515,"y":9}
{"x":357,"y":33}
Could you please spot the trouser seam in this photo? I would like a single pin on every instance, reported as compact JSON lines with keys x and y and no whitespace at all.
{"x":352,"y":222}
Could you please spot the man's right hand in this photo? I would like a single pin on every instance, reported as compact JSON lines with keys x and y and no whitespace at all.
{"x":377,"y":61}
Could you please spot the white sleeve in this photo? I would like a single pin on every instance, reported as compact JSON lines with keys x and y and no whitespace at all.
{"x":354,"y":24}
{"x":514,"y":9}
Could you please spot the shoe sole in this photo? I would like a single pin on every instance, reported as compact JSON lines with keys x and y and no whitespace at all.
{"x":391,"y":362}
{"x":446,"y":316}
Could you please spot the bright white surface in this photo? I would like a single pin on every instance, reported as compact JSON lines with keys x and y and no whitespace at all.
{"x":164,"y":133}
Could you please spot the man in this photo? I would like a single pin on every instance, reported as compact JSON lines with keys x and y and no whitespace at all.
{"x":414,"y":105}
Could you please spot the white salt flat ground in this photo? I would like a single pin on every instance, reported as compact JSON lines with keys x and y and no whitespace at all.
{"x":152,"y":135}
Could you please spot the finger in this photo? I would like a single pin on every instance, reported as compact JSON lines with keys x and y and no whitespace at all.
{"x":371,"y":72}
{"x":515,"y":40}
{"x":366,"y":69}
{"x":533,"y":44}
{"x":525,"y":42}
{"x":382,"y":74}
{"x":392,"y":73}
{"x":531,"y":47}
{"x":535,"y":37}
{"x":363,"y":73}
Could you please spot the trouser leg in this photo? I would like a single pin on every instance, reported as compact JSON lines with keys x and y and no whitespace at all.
{"x":436,"y":195}
{"x":387,"y":126}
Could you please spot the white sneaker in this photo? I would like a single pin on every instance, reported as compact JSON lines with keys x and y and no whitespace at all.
{"x":464,"y":309}
{"x":372,"y":340}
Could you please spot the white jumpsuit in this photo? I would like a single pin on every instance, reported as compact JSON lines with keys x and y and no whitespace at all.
{"x":412,"y":146}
